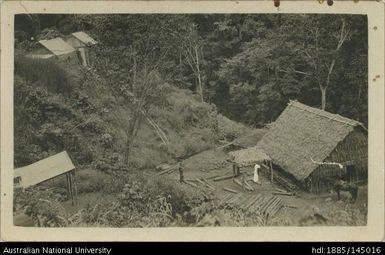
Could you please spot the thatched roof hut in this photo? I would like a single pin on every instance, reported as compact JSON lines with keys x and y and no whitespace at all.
{"x":303,"y":135}
{"x":249,"y":156}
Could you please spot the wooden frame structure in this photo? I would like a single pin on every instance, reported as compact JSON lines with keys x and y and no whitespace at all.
{"x":47,"y":169}
{"x":250,"y":156}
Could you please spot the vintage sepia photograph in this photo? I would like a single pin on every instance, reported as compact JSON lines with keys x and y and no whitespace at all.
{"x":190,"y":120}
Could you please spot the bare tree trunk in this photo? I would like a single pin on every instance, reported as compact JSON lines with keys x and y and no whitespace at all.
{"x":128,"y":148}
{"x":198,"y":73}
{"x":131,"y":132}
{"x":180,"y":65}
{"x":323,"y":97}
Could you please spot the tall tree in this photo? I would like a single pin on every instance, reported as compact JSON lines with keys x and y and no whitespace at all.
{"x":324,"y":51}
{"x":193,"y":54}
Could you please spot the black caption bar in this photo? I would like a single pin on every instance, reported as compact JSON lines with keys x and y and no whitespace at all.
{"x":113,"y":248}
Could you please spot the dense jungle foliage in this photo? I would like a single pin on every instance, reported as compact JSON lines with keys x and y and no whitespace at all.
{"x":249,"y":66}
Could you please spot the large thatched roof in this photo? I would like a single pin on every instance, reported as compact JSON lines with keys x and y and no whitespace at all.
{"x":302,"y":133}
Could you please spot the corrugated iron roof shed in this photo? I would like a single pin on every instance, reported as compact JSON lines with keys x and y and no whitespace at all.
{"x":57,"y":46}
{"x":85,"y":38}
{"x":44,"y":169}
{"x":41,"y":56}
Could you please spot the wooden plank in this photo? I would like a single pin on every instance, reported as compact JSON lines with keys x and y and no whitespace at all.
{"x":71,"y":188}
{"x":191,"y":184}
{"x":250,"y":201}
{"x":207,"y":182}
{"x":75,"y":186}
{"x":68,"y":187}
{"x":281,"y":190}
{"x":169,"y":170}
{"x":247,"y":201}
{"x":291,"y":206}
{"x":258,"y":203}
{"x":44,"y":169}
{"x":248,"y":185}
{"x":230,"y":190}
{"x":276,"y":210}
{"x":283,"y":194}
{"x":201,"y":182}
{"x":272,"y":207}
{"x":212,"y":177}
{"x":268,"y":203}
{"x":253,"y":201}
{"x":227,"y":197}
{"x":225,"y":177}
{"x":242,"y":200}
{"x":234,"y":198}
{"x":238,"y":182}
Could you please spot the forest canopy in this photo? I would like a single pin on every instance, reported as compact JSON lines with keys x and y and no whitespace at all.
{"x":249,"y":66}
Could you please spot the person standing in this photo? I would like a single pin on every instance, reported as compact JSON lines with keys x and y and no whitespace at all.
{"x":236,"y":168}
{"x":181,"y":175}
{"x":256,"y":174}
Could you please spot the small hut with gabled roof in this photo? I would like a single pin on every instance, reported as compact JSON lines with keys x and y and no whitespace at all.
{"x":82,"y":42}
{"x":303,"y":140}
{"x":56,"y":48}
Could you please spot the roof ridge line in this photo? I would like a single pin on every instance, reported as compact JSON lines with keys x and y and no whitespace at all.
{"x":325,"y":116}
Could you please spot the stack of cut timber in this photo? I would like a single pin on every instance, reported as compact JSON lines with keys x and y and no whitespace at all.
{"x":272,"y":207}
{"x":285,"y":183}
{"x":245,"y":185}
{"x":253,"y":203}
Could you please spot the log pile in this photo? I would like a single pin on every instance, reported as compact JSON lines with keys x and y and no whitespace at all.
{"x":245,"y":185}
{"x":267,"y":207}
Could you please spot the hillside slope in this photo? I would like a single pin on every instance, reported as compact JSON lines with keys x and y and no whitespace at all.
{"x":74,"y":109}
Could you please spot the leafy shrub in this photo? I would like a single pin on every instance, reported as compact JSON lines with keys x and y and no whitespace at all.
{"x":229,"y":130}
{"x":42,"y":205}
{"x":89,"y":181}
{"x":44,"y":72}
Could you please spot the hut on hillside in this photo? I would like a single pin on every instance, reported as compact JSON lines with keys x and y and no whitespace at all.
{"x":304,"y":141}
{"x":82,"y":42}
{"x":55,"y":48}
